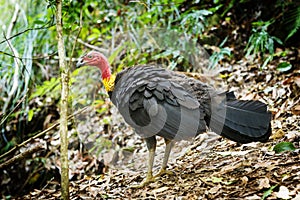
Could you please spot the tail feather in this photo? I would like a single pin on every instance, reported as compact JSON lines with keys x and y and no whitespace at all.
{"x":245,"y":121}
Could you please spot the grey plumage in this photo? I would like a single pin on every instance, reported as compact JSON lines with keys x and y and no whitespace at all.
{"x":156,"y":101}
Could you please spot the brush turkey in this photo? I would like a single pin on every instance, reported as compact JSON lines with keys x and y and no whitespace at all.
{"x":159,"y":102}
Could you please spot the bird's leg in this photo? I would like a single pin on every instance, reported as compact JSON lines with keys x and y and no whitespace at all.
{"x":151,"y":145}
{"x":169,"y":145}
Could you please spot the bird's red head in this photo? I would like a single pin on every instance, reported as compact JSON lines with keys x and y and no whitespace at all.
{"x":97,"y":59}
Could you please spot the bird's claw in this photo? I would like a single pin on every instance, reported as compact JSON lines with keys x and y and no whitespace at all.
{"x":149,"y":179}
{"x":163,"y":172}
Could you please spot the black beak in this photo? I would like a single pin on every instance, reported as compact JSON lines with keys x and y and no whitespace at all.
{"x":80,"y":63}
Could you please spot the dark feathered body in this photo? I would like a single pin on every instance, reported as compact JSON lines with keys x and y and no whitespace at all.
{"x":157,"y":101}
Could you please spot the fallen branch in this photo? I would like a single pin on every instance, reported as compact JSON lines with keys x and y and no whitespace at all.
{"x":18,"y":146}
{"x":21,"y":156}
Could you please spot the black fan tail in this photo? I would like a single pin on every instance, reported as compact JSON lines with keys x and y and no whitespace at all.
{"x":244,"y":122}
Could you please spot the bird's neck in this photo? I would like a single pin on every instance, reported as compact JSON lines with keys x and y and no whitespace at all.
{"x":106,"y":73}
{"x":108,"y":79}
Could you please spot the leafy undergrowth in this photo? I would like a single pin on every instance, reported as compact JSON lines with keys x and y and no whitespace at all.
{"x":209,"y":168}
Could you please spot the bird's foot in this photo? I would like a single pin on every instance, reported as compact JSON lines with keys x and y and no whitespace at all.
{"x":149,"y":179}
{"x":163,"y":172}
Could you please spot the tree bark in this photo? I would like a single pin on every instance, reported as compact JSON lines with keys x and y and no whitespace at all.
{"x":64,"y":68}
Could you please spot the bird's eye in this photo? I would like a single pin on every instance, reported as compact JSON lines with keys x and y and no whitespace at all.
{"x":90,"y":56}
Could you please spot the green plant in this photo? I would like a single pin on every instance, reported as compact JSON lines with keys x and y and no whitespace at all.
{"x":292,"y":21}
{"x":284,"y":146}
{"x":195,"y":22}
{"x":260,"y":42}
{"x":25,"y":39}
{"x":268,"y":192}
{"x":219,"y":55}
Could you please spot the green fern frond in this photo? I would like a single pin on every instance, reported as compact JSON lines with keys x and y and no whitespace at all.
{"x":293,"y":21}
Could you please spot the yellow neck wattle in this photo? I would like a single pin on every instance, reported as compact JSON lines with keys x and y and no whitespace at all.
{"x":109,"y":83}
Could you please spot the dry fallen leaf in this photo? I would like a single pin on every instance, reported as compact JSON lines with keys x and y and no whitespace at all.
{"x":283,"y":193}
{"x":296,"y":110}
{"x":297,"y":80}
{"x":214,"y":190}
{"x":264,"y":183}
{"x":244,"y":180}
{"x":254,"y":197}
{"x":162,"y":189}
{"x":279,"y":134}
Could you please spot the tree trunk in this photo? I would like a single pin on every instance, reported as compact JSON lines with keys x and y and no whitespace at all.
{"x":64,"y":68}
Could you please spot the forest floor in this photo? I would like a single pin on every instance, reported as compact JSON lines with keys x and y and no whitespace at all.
{"x":209,"y":167}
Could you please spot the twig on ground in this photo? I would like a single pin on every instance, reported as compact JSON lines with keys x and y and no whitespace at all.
{"x":18,"y":146}
{"x":21,"y":156}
